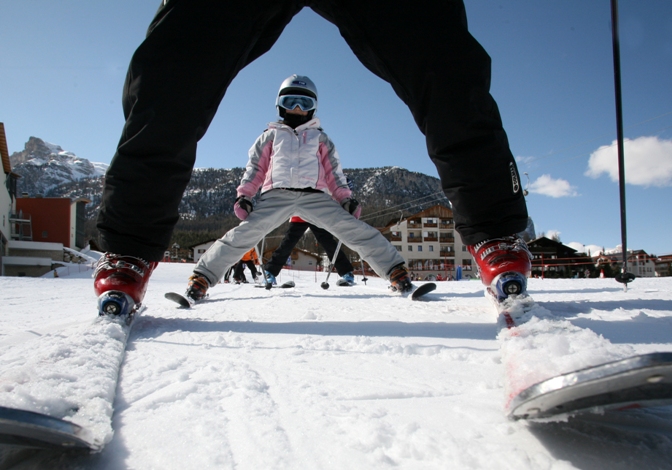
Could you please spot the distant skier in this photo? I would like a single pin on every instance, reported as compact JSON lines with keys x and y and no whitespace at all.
{"x":298,"y":170}
{"x":297,"y":228}
{"x":249,"y":259}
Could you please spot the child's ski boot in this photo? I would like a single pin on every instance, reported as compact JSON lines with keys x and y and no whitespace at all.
{"x":400,"y":281}
{"x":197,"y":288}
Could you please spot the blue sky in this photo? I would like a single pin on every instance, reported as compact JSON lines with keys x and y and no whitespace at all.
{"x":63,"y":65}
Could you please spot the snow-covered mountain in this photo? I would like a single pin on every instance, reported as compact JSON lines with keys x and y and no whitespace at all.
{"x":44,"y":166}
{"x":48,"y":170}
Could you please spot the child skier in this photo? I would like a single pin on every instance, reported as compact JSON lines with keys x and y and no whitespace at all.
{"x":298,"y":170}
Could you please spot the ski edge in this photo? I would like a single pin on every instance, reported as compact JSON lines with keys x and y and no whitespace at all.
{"x":29,"y":429}
{"x":642,"y":371}
{"x":284,"y":285}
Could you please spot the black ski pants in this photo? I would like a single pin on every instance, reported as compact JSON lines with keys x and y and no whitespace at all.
{"x":292,"y":237}
{"x":194,"y":49}
{"x":239,"y":275}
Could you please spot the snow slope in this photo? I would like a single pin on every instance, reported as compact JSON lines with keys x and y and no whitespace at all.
{"x":354,"y":378}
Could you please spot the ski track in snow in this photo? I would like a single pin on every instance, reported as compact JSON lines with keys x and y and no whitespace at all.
{"x":349,"y":377}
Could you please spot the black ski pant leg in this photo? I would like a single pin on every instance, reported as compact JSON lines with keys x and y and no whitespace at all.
{"x":250,"y":265}
{"x":228,"y":273}
{"x":282,"y":252}
{"x":238,"y":274}
{"x":175,"y":82}
{"x":329,"y":244}
{"x":425,"y":51}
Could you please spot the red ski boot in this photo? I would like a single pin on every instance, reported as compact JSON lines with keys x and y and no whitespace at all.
{"x":120,"y":283}
{"x":504,"y":265}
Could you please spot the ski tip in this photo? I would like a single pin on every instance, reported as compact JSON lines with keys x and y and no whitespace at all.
{"x":178,"y":298}
{"x":426,"y":288}
{"x":22,"y":428}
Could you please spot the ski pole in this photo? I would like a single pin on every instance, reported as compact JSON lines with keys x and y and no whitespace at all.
{"x":364,"y":278}
{"x":261,"y":260}
{"x":624,"y":276}
{"x":325,"y":284}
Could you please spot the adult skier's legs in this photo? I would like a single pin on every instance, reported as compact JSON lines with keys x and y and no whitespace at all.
{"x":175,"y":81}
{"x":440,"y":71}
{"x":174,"y":85}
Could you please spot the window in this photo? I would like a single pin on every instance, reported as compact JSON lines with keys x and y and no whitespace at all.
{"x":397,"y":247}
{"x":431,"y":247}
{"x":419,"y":247}
{"x":410,"y":247}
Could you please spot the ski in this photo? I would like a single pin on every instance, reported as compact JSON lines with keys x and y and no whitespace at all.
{"x":285,"y":285}
{"x":526,"y":328}
{"x":21,"y":428}
{"x":84,"y":401}
{"x":184,"y":301}
{"x":630,"y":383}
{"x":423,"y":290}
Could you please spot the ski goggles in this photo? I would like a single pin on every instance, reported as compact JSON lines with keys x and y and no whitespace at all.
{"x":306,"y":103}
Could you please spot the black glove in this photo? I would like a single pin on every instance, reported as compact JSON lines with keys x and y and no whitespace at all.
{"x":243,"y":207}
{"x":352,"y":206}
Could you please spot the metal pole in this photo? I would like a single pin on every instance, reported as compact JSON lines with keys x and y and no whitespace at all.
{"x":624,"y":277}
{"x":325,"y":284}
{"x":261,"y":262}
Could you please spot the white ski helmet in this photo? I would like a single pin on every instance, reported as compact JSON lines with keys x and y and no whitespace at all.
{"x":296,"y":85}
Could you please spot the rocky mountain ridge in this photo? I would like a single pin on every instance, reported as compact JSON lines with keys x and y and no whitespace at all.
{"x":48,"y":170}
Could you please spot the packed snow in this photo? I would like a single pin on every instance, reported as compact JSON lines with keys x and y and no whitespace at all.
{"x":347,"y":377}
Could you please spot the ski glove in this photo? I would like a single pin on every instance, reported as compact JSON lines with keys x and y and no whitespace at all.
{"x":243,"y":207}
{"x":352,"y":206}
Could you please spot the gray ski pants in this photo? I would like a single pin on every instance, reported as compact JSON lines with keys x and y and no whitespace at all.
{"x":276,"y":207}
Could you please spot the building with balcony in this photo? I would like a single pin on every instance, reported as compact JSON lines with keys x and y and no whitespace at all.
{"x":640,"y":263}
{"x":50,"y":220}
{"x":550,"y":258}
{"x":664,"y":266}
{"x":429,"y":244}
{"x":8,"y":181}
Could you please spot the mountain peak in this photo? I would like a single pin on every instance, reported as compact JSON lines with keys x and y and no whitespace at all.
{"x":43,"y":166}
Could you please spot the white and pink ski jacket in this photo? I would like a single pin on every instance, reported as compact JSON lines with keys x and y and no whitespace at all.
{"x":299,"y":158}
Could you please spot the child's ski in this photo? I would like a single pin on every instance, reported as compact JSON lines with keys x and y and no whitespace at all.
{"x":423,"y":290}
